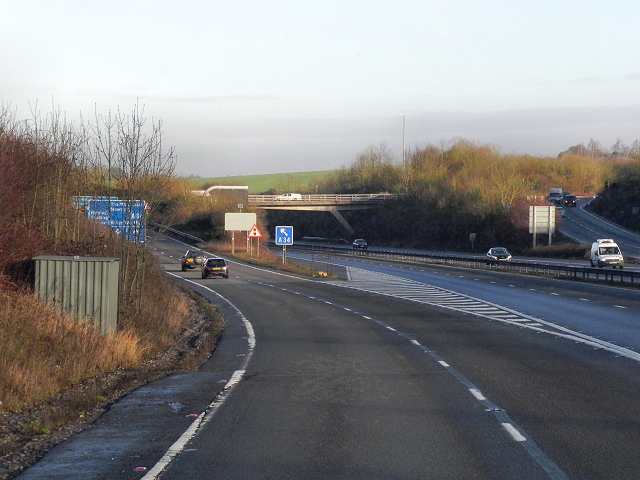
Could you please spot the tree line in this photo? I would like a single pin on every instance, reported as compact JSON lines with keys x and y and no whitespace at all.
{"x":457,"y":188}
{"x":619,"y":200}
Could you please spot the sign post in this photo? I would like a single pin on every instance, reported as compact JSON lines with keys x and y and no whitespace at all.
{"x":284,"y":237}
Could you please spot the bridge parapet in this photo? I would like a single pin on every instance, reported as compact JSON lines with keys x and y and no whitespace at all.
{"x":324,"y":199}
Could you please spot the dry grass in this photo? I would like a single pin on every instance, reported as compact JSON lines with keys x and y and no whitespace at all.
{"x":156,"y":313}
{"x":44,"y":352}
{"x":264,"y":258}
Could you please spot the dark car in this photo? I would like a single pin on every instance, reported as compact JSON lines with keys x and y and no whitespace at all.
{"x":499,"y":254}
{"x":192,"y":259}
{"x":569,"y":200}
{"x":359,"y":244}
{"x":214,"y":267}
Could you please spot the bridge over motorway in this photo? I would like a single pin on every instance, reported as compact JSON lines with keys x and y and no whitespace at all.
{"x":327,"y":202}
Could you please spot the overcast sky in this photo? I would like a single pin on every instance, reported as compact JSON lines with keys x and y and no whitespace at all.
{"x":257,"y":86}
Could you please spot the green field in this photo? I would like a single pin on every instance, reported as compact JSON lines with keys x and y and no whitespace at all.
{"x":299,"y":182}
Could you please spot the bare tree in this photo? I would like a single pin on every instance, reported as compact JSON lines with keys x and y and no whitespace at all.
{"x":136,"y":167}
{"x":594,"y":148}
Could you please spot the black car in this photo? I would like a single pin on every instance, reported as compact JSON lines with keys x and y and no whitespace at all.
{"x":214,"y":267}
{"x":359,"y":244}
{"x":192,"y":259}
{"x":569,"y":201}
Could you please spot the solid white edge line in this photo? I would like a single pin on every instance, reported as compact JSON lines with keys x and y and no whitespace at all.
{"x":179,"y":445}
{"x":235,"y":379}
{"x":175,"y":449}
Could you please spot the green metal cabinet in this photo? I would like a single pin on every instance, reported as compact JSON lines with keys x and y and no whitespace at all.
{"x":85,"y":287}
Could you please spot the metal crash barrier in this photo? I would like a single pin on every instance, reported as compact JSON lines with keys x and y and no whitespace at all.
{"x":529,"y":267}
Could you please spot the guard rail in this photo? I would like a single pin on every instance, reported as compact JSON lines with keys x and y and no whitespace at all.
{"x":164,"y":229}
{"x":530,"y":267}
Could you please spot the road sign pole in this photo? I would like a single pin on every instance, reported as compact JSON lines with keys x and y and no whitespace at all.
{"x":535,"y":224}
{"x":284,"y":254}
{"x":551,"y":222}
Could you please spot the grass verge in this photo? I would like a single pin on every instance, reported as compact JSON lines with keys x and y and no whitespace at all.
{"x":266,"y":258}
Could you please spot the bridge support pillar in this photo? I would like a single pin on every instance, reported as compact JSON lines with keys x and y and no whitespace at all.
{"x":342,"y":220}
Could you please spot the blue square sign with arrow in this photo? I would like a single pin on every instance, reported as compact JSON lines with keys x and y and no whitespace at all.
{"x":284,"y":235}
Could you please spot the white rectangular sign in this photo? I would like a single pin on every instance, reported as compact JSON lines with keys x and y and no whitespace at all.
{"x":542,"y":219}
{"x":239,"y":222}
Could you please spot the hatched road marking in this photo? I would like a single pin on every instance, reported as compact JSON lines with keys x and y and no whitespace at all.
{"x":411,"y":290}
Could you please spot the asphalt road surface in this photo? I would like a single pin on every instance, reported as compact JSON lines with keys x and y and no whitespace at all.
{"x":583,"y":226}
{"x":389,"y":373}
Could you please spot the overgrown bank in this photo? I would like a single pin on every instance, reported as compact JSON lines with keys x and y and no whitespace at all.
{"x":57,"y":372}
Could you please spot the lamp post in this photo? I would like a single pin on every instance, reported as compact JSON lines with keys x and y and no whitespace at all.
{"x":403,"y":129}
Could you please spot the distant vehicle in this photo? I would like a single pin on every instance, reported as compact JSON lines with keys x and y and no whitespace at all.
{"x":555,"y":195}
{"x":288,"y":196}
{"x":359,"y":244}
{"x":192,"y":259}
{"x":569,"y":200}
{"x":380,"y":196}
{"x":215,"y":267}
{"x":606,"y":253}
{"x":499,"y":254}
{"x":595,"y":198}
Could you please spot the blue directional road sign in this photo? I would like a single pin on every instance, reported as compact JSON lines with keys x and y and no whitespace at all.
{"x":125,"y":217}
{"x":284,"y":235}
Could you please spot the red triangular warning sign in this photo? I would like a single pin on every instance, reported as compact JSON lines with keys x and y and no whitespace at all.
{"x":254,"y":232}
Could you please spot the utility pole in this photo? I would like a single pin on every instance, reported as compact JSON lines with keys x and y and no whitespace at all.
{"x":403,"y":131}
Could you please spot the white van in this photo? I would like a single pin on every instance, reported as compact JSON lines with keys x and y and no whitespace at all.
{"x":288,"y":196}
{"x":605,"y":252}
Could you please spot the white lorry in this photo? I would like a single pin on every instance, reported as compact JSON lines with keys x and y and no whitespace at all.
{"x":605,"y":252}
{"x":555,"y":195}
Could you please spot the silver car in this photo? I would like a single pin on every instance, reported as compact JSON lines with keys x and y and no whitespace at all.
{"x":498,"y":254}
